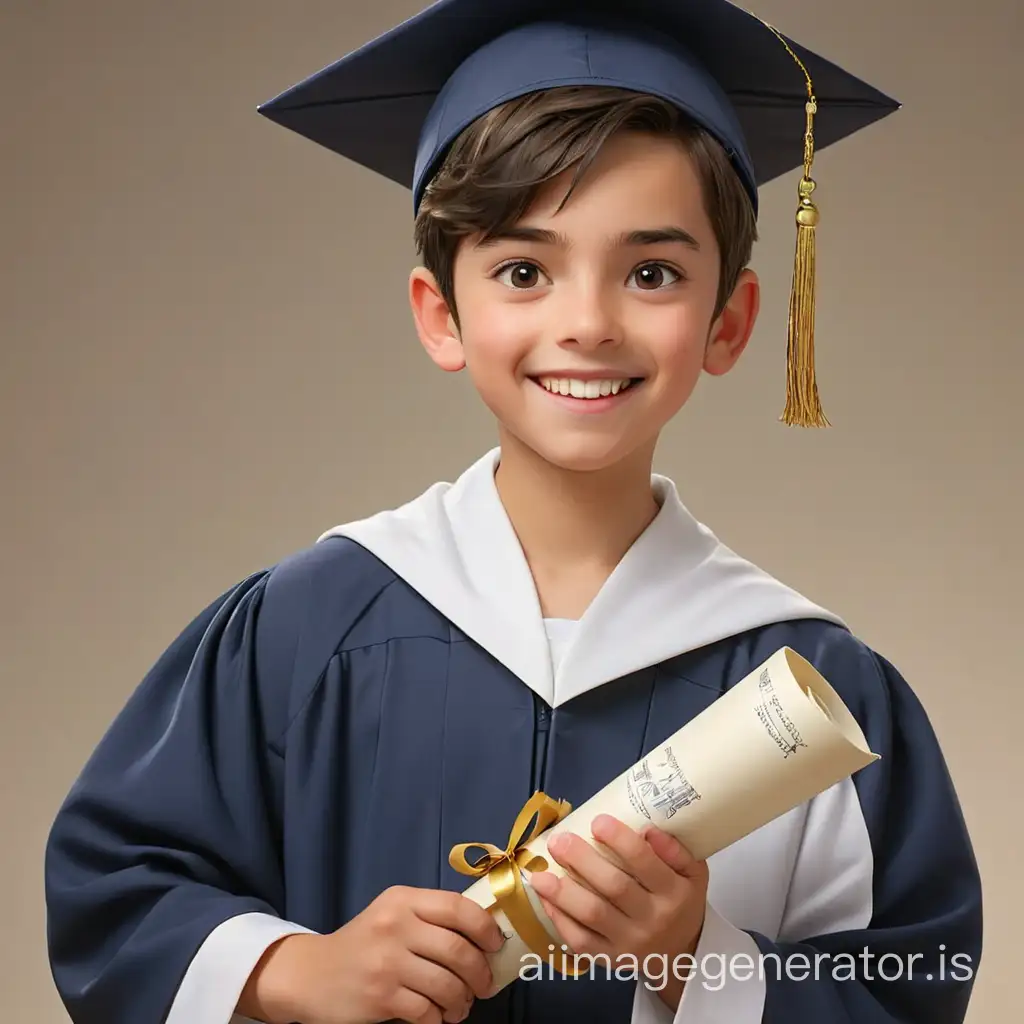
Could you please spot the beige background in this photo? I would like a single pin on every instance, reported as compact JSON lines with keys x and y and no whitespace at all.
{"x":207,"y":359}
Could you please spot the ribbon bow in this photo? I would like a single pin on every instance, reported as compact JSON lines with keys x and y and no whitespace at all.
{"x":504,"y":871}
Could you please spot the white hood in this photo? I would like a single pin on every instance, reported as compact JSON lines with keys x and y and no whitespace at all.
{"x":678,"y":587}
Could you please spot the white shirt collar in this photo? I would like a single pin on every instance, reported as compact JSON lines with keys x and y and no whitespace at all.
{"x":678,"y":587}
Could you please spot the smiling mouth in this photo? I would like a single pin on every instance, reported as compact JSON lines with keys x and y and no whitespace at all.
{"x":573,"y":387}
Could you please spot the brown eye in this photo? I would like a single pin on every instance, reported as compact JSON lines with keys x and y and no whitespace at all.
{"x":524,"y":275}
{"x":519,"y":275}
{"x":653,"y":276}
{"x":650,"y":277}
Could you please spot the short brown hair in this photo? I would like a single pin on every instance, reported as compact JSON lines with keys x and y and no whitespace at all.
{"x":494,"y":170}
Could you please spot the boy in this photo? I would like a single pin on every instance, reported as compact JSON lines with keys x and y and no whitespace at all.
{"x":264,"y":831}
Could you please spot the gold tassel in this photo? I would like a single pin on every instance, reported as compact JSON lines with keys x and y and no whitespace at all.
{"x":803,"y":405}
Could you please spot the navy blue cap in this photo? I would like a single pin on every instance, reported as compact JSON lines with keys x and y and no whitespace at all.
{"x":396,"y":104}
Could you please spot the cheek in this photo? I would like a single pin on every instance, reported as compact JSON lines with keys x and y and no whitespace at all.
{"x":498,"y":334}
{"x":676,"y":336}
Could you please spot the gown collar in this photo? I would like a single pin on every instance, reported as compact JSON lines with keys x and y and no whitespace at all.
{"x":677,"y":588}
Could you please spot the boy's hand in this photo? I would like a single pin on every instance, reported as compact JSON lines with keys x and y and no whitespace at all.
{"x":655,"y":906}
{"x":415,"y":955}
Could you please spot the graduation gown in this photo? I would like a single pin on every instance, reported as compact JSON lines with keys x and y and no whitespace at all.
{"x":333,"y":725}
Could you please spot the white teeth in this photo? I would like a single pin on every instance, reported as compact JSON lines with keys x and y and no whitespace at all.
{"x":583,"y":388}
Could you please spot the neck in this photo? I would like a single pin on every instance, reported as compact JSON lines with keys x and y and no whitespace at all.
{"x":574,"y":527}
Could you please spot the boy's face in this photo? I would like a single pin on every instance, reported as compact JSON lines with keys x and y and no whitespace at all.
{"x":612,"y":296}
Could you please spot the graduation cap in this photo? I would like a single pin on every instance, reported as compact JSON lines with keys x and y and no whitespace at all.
{"x":396,"y":104}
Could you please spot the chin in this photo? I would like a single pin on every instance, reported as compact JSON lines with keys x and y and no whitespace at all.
{"x":584,"y":455}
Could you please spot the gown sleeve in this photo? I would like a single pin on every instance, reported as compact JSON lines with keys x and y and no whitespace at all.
{"x":168,"y":841}
{"x":883,"y":921}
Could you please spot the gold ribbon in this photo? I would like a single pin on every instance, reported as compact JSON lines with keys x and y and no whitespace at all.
{"x":504,"y":868}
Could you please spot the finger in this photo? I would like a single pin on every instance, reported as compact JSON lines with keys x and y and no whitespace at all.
{"x":672,"y":852}
{"x":415,"y":1008}
{"x":589,"y":909}
{"x":597,"y":872}
{"x":455,"y":952}
{"x":635,"y":853}
{"x":447,"y":991}
{"x":575,"y":935}
{"x":458,"y":913}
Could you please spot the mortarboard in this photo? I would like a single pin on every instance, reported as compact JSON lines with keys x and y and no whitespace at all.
{"x":397,"y":103}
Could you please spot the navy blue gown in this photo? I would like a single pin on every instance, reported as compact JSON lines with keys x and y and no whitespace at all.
{"x":246,"y":774}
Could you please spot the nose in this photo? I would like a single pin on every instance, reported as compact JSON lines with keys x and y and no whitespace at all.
{"x":588,"y":316}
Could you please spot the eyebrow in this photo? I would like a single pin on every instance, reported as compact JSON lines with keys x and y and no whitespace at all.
{"x":544,"y":236}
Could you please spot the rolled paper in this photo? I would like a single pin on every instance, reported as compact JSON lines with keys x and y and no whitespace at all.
{"x":776,"y":739}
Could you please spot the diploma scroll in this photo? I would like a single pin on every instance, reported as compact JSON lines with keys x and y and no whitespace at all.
{"x":776,"y":739}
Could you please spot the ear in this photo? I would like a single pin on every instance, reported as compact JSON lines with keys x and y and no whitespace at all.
{"x":435,"y":324}
{"x":733,"y":328}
